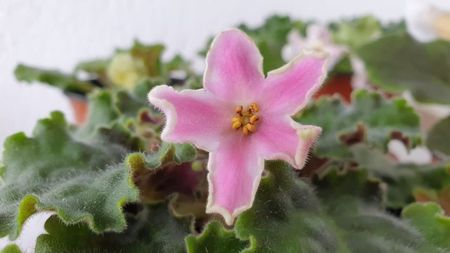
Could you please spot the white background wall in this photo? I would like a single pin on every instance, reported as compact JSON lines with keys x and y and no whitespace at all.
{"x":58,"y":34}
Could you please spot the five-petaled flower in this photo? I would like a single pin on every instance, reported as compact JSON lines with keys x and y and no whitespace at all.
{"x":242,"y":118}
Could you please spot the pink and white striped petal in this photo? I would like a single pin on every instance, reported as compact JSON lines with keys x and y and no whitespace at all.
{"x":234,"y":174}
{"x":234,"y":67}
{"x":289,"y":88}
{"x":193,"y":116}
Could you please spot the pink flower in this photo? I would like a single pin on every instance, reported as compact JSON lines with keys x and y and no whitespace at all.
{"x":242,"y":118}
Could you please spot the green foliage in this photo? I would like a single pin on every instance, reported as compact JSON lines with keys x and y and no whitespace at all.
{"x":150,"y":55}
{"x":439,"y":136}
{"x":93,"y":66}
{"x":215,"y":238}
{"x":357,"y":32}
{"x":401,"y":179}
{"x":101,"y":113}
{"x":345,"y":216}
{"x":377,"y":119}
{"x":178,"y":153}
{"x":150,"y":229}
{"x":396,"y":62}
{"x":271,"y":37}
{"x":80,"y":180}
{"x":430,"y":220}
{"x":55,"y":78}
{"x":11,"y":248}
{"x":96,"y":69}
{"x":109,"y":107}
{"x":78,"y":169}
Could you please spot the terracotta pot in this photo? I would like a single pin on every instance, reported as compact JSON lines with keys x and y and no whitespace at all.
{"x":79,"y":106}
{"x":338,"y":84}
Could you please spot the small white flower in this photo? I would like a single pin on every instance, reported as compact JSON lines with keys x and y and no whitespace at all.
{"x":419,"y":155}
{"x":318,"y":40}
{"x":428,"y":21}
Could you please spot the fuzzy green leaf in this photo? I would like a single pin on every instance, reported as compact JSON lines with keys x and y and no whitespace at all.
{"x":141,"y":90}
{"x":11,"y":248}
{"x":167,"y":155}
{"x":55,"y":78}
{"x":401,"y":179}
{"x":357,"y":32}
{"x":97,"y":67}
{"x":430,"y":220}
{"x":150,"y":55}
{"x":287,"y":216}
{"x":377,"y":119}
{"x":151,"y":229}
{"x":128,"y":109}
{"x":397,"y":62}
{"x":215,"y":238}
{"x":439,"y":137}
{"x":101,"y":113}
{"x":55,"y":170}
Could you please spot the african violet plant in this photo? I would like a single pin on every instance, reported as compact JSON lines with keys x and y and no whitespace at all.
{"x":214,"y":166}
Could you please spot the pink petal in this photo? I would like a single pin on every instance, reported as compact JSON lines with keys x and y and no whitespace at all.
{"x":282,"y":138}
{"x":193,"y":116}
{"x":234,"y":174}
{"x":234,"y":67}
{"x":290,"y":87}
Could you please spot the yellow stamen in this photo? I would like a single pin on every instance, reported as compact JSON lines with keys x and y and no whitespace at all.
{"x":254,"y":118}
{"x":245,"y":131}
{"x":236,"y":125}
{"x":236,"y":118}
{"x":246,"y":118}
{"x":250,"y":127}
{"x":239,"y":109}
{"x":254,"y":107}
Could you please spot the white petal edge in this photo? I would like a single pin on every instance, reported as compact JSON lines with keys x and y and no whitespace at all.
{"x":167,"y":108}
{"x":298,"y":162}
{"x":213,"y":208}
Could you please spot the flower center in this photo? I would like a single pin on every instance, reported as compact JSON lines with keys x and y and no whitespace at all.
{"x":246,"y":119}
